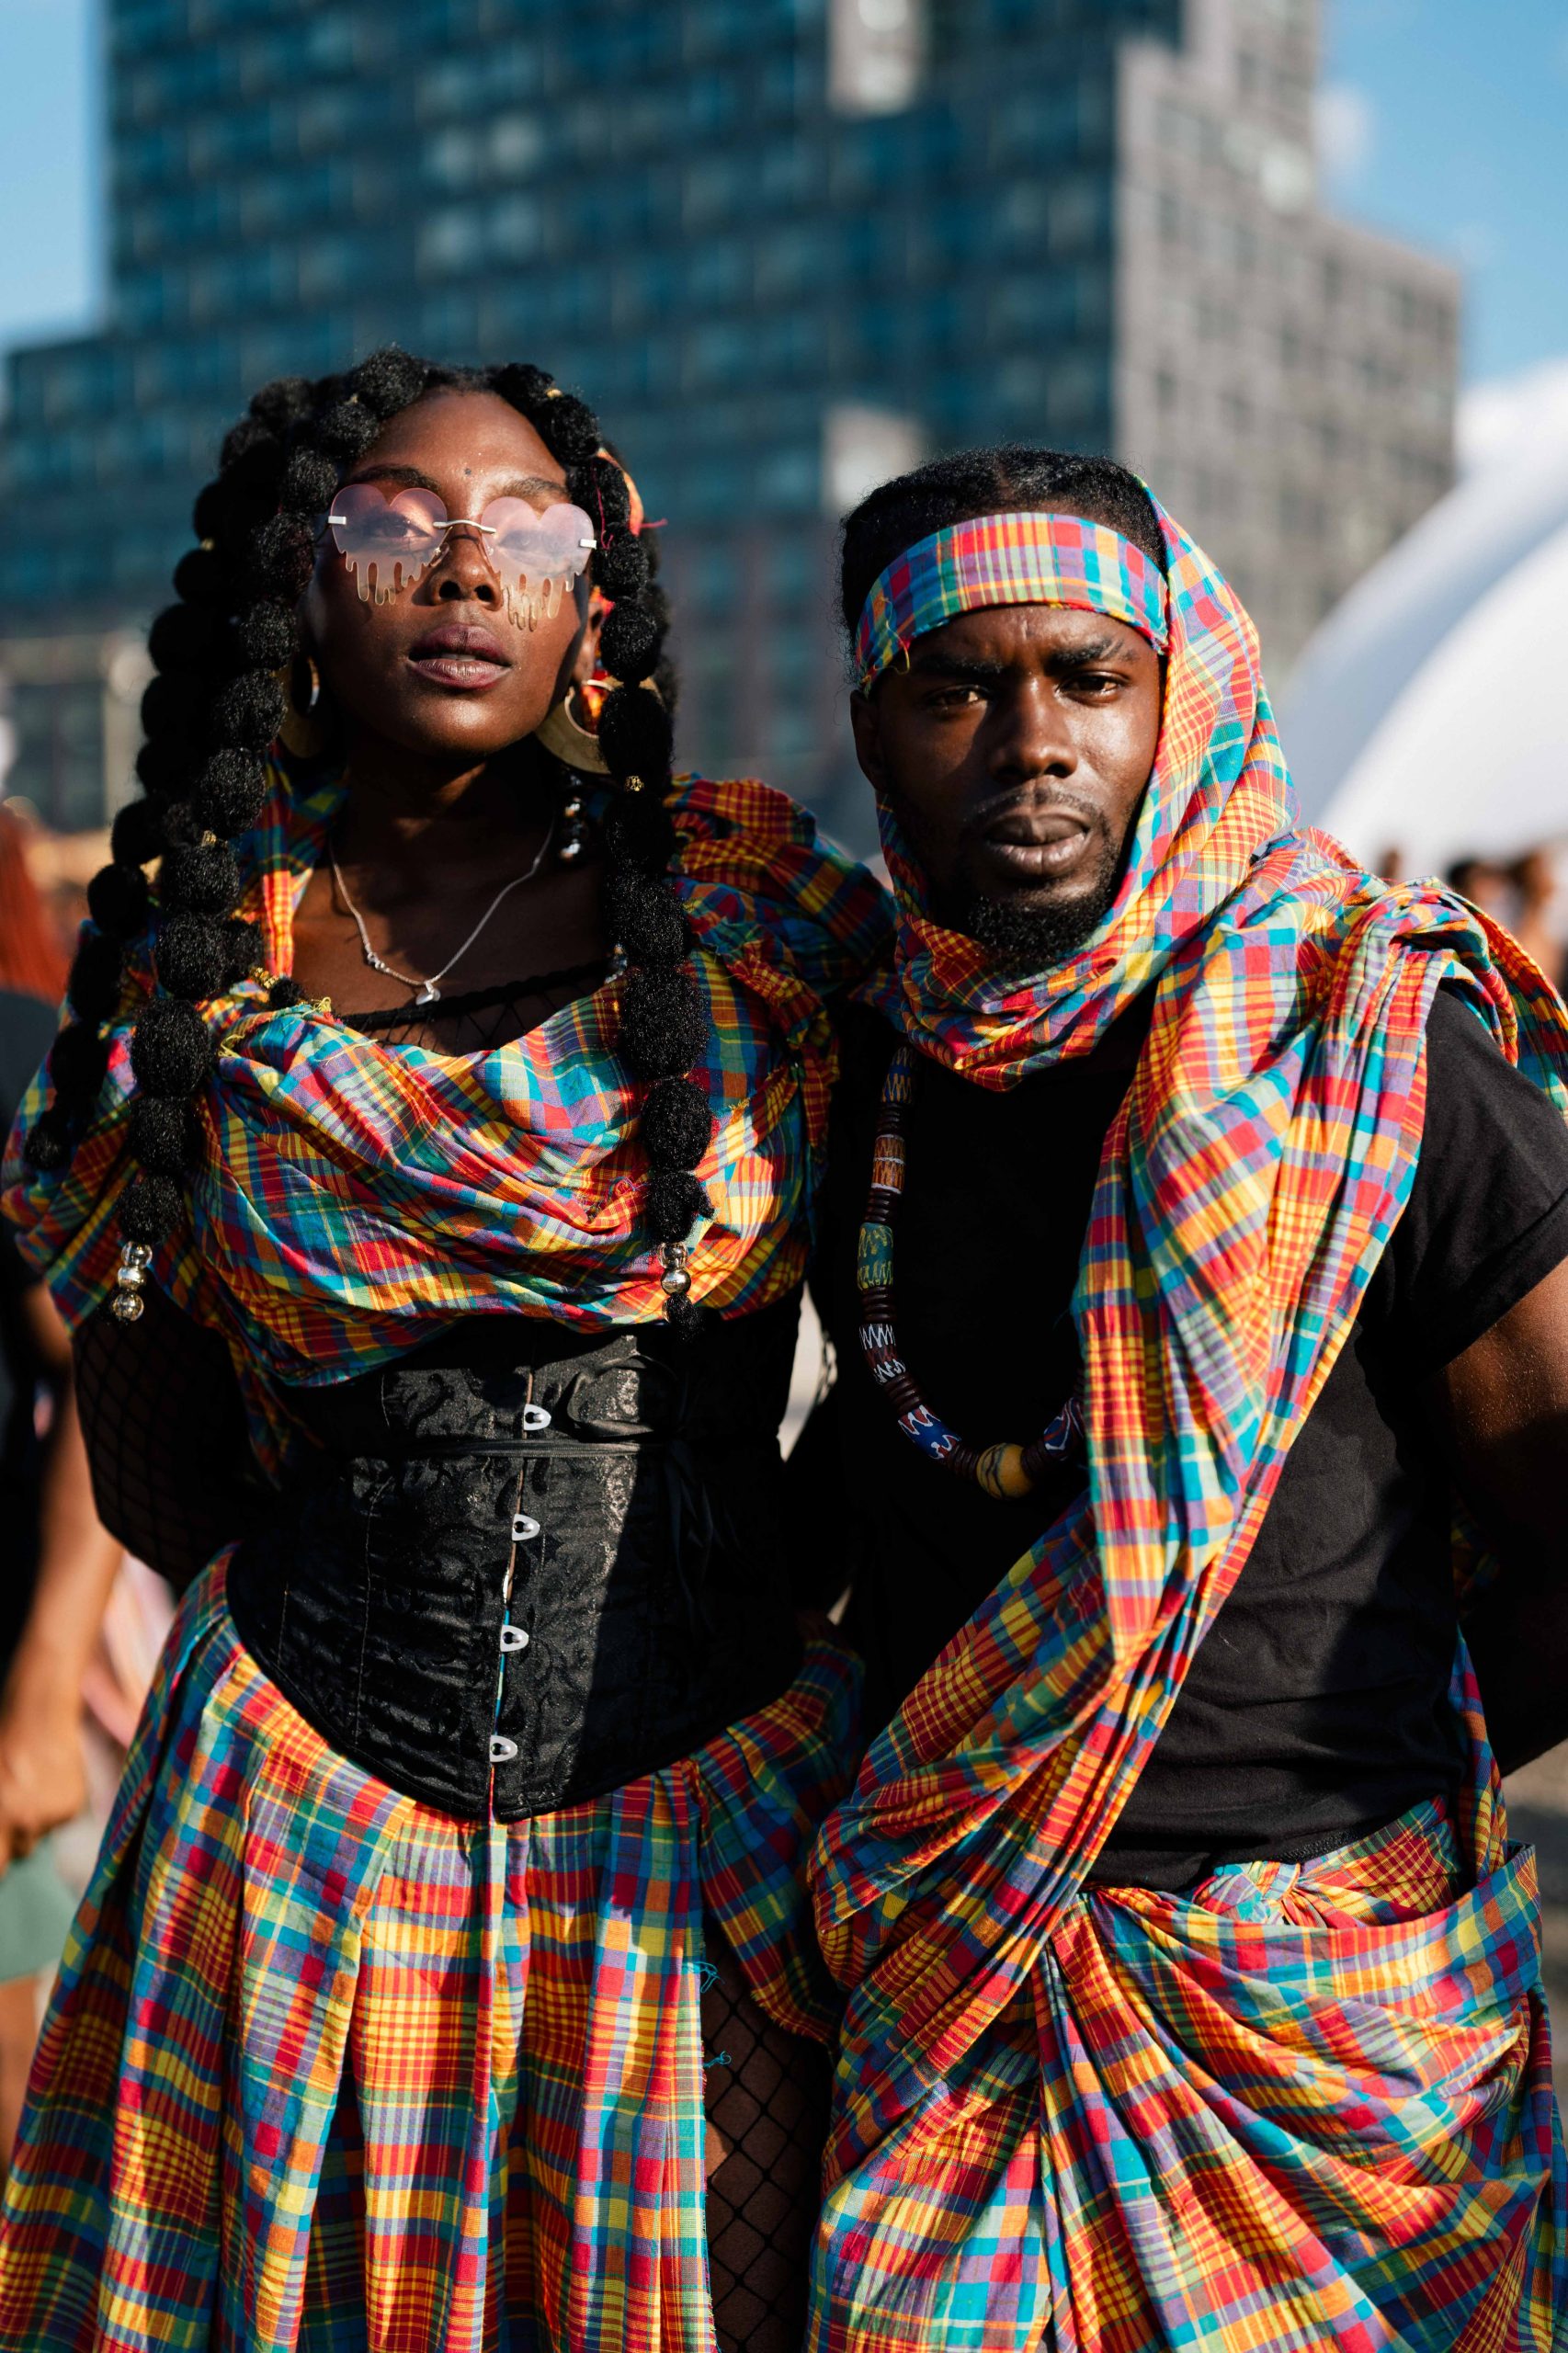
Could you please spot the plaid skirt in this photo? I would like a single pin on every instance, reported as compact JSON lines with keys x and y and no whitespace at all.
{"x":1306,"y":2106}
{"x":326,"y":2069}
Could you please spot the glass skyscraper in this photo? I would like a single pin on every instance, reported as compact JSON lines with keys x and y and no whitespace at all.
{"x":782,"y":245}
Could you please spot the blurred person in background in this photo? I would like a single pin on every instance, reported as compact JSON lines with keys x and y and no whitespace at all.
{"x":1194,"y":1251}
{"x":1484,"y":881}
{"x":56,"y":1560}
{"x":1534,"y":878}
{"x":32,"y":961}
{"x":446,"y":1975}
{"x":61,"y":867}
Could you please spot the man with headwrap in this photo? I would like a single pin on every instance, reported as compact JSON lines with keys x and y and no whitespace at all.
{"x":1196,"y":1258}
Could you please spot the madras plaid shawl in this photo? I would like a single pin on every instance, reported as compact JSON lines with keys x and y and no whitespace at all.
{"x":349,"y":1194}
{"x":1107,"y":2121}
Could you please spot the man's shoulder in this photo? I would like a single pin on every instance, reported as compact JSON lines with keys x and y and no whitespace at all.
{"x":1473,"y":1089}
{"x":1487,"y":1216}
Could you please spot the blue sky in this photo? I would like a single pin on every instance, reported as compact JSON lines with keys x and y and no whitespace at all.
{"x":1447,"y":122}
{"x":1444,"y":121}
{"x":48,"y":187}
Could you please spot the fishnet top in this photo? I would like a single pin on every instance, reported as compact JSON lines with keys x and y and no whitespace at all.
{"x":174,"y":1477}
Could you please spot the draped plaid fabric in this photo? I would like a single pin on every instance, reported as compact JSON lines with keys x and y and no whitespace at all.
{"x":348,"y":1194}
{"x":1098,"y":2122}
{"x":325,"y":2070}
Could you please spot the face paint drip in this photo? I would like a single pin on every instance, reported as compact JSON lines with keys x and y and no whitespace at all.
{"x":369,"y":580}
{"x":527,"y":606}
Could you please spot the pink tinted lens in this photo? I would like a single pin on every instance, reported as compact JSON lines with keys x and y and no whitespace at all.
{"x":386,"y":544}
{"x":536,"y":557}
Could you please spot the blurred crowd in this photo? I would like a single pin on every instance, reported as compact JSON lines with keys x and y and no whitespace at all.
{"x":79,"y":1624}
{"x":1523,"y":893}
{"x":1521,"y":897}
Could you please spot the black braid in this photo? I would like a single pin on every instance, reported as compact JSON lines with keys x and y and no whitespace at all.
{"x":212,"y":713}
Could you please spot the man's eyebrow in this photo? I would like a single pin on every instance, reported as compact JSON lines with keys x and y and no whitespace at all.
{"x":1087,"y":651}
{"x":968,"y":670}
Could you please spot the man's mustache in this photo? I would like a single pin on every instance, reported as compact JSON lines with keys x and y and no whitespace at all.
{"x":1014,"y":804}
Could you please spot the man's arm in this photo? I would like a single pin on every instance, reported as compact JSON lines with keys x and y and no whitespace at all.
{"x":42,"y":1779}
{"x":1504,"y":1405}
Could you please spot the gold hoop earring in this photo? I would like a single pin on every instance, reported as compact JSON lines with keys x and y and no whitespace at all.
{"x":571,"y":742}
{"x":303,"y":732}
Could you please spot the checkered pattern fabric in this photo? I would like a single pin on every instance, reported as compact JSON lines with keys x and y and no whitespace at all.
{"x":350,"y":1195}
{"x":327,"y":2070}
{"x":1099,"y":2123}
{"x":1010,"y":559}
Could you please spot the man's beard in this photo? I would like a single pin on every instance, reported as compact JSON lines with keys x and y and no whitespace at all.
{"x":1022,"y":939}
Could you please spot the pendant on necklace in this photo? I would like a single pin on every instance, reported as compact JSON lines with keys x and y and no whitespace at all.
{"x":427,"y":994}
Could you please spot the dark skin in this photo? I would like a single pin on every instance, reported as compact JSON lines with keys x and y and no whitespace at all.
{"x":1016,"y":749}
{"x":447,"y":796}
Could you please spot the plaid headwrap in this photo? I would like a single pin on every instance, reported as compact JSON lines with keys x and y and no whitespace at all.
{"x":1202,"y":2158}
{"x":1010,"y":559}
{"x":350,"y":1196}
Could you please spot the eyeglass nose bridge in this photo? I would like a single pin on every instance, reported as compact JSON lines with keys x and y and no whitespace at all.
{"x":463,"y":523}
{"x":443,"y":549}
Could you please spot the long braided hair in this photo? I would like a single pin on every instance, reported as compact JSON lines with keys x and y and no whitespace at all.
{"x":212,"y":713}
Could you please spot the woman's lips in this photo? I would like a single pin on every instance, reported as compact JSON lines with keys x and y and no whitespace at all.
{"x":465,"y":670}
{"x":463,"y":658}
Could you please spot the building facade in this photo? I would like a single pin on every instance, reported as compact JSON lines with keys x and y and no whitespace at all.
{"x":783,"y":245}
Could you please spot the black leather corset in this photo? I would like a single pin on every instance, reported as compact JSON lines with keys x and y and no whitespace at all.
{"x":533,"y":1568}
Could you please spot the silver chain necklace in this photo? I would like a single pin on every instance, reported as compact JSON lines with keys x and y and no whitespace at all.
{"x":428,"y":991}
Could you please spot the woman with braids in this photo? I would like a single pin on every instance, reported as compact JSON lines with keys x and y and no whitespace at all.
{"x":453,"y":1102}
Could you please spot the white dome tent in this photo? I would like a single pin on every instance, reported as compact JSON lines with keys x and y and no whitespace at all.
{"x":1430,"y":710}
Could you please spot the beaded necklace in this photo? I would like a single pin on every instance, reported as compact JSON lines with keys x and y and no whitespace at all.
{"x":1005,"y":1470}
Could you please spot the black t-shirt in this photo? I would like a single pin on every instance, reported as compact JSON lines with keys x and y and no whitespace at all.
{"x":27,"y":1033}
{"x":1316,"y":1706}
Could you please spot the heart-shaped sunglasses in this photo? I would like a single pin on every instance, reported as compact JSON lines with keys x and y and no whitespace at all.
{"x":388,"y":543}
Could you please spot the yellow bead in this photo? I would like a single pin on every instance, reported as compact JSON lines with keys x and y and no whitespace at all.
{"x":1001,"y":1472}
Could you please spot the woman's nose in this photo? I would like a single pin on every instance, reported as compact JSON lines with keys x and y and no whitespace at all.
{"x":462,"y":569}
